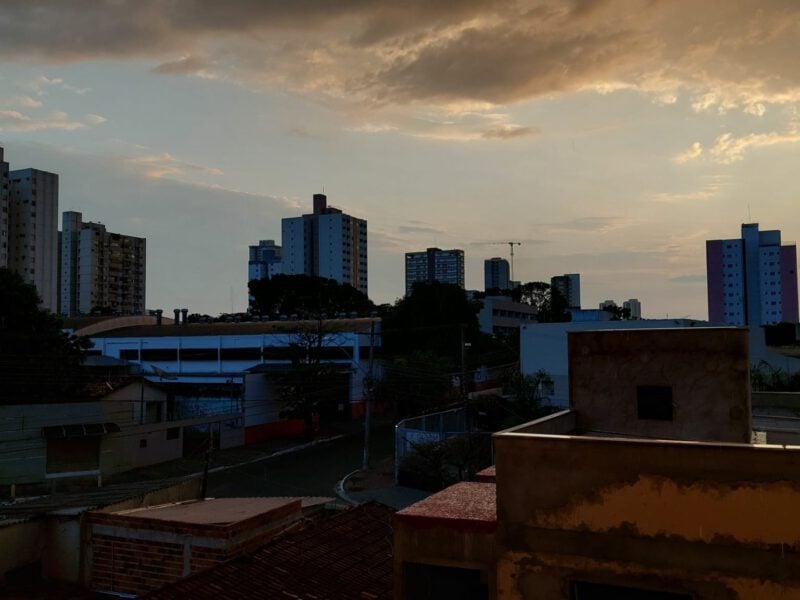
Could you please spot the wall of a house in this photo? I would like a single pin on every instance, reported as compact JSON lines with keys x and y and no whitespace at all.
{"x":706,"y":369}
{"x":707,"y":519}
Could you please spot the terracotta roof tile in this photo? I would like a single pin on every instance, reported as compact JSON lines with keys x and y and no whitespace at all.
{"x":466,"y":506}
{"x":344,"y":557}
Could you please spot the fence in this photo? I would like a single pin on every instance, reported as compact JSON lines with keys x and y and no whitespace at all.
{"x":435,"y":427}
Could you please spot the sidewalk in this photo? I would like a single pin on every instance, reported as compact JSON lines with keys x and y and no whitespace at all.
{"x":377,"y":485}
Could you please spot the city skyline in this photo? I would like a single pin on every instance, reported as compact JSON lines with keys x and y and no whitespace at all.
{"x":612,"y":139}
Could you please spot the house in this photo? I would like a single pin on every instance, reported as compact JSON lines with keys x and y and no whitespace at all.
{"x":347,"y":556}
{"x":648,"y":486}
{"x":114,"y":427}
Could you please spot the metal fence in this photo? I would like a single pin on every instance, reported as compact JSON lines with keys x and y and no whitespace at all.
{"x":435,"y":427}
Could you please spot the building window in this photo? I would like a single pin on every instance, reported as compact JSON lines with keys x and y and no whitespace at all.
{"x":173,"y":433}
{"x":654,"y":402}
{"x":143,"y":443}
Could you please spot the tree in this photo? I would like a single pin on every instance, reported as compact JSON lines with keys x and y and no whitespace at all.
{"x":306,"y":295}
{"x":435,"y":318}
{"x":310,"y":387}
{"x":550,"y":304}
{"x":38,"y":361}
{"x":419,"y":382}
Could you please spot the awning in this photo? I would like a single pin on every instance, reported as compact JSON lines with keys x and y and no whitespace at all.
{"x":78,"y":430}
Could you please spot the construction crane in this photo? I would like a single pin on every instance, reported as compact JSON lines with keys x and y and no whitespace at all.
{"x":511,"y":248}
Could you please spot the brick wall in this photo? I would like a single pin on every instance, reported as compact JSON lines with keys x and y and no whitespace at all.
{"x":136,"y":555}
{"x":134,"y":566}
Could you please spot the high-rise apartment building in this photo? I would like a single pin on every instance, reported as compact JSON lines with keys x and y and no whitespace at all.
{"x":326,"y":243}
{"x":569,"y":286}
{"x":634,"y":308}
{"x":4,"y":210}
{"x":753,"y":280}
{"x":264,"y":261}
{"x":33,"y":231}
{"x":100,"y":269}
{"x":434,"y":264}
{"x":496,"y":274}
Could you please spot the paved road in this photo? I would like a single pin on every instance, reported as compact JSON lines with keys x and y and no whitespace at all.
{"x":312,"y":472}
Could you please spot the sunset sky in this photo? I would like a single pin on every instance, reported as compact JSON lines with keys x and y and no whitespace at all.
{"x":610,"y":137}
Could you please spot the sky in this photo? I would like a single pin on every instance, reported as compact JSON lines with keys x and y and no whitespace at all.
{"x":611,"y":138}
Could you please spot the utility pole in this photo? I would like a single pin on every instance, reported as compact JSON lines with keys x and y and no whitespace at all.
{"x":368,"y":400}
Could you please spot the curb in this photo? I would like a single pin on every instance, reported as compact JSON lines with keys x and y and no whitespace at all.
{"x":339,"y":489}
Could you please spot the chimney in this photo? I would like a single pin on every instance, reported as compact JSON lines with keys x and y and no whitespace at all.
{"x":320,"y":204}
{"x":177,"y":312}
{"x":184,"y":314}
{"x":159,"y":312}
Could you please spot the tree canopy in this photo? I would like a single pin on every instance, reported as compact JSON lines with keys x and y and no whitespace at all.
{"x":38,"y":361}
{"x":430,"y":319}
{"x":306,"y":295}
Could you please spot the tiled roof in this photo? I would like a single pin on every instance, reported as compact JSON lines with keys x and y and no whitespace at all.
{"x":344,"y":557}
{"x":466,"y":506}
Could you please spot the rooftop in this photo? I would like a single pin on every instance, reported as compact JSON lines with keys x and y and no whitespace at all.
{"x":466,"y":506}
{"x":246,"y":328}
{"x":345,"y":557}
{"x":212,"y":511}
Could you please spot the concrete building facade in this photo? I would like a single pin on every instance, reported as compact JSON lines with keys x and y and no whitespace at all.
{"x":264,"y":260}
{"x":132,"y":426}
{"x":435,"y":264}
{"x":496,"y":274}
{"x":100,"y":269}
{"x":33,"y":231}
{"x":752,"y":280}
{"x":4,"y":210}
{"x":499,"y":315}
{"x":569,"y":286}
{"x":646,"y":488}
{"x":326,"y":243}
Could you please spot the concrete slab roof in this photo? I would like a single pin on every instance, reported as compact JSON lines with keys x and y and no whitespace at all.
{"x":213,"y":511}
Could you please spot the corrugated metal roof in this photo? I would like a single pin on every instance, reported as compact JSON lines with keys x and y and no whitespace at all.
{"x":246,"y":328}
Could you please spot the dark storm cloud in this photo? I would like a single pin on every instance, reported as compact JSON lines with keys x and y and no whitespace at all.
{"x":724,"y":54}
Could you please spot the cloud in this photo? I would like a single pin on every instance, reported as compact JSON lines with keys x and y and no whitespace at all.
{"x":95,"y":119}
{"x":711,"y":187}
{"x":166,"y":166}
{"x":426,"y":229}
{"x":589,"y":224}
{"x":12,"y":120}
{"x":20,"y":102}
{"x":729,"y":149}
{"x":692,"y":152}
{"x":720,"y":55}
{"x":186,"y":65}
{"x":688,"y":279}
{"x":510,"y":132}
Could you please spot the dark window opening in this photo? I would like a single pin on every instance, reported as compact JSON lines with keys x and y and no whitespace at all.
{"x":173,"y":433}
{"x":431,"y":582}
{"x":159,"y":354}
{"x":198,"y":354}
{"x":581,"y":590}
{"x":654,"y":402}
{"x":142,"y":443}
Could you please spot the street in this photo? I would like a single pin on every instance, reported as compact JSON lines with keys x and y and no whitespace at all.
{"x":311,"y":472}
